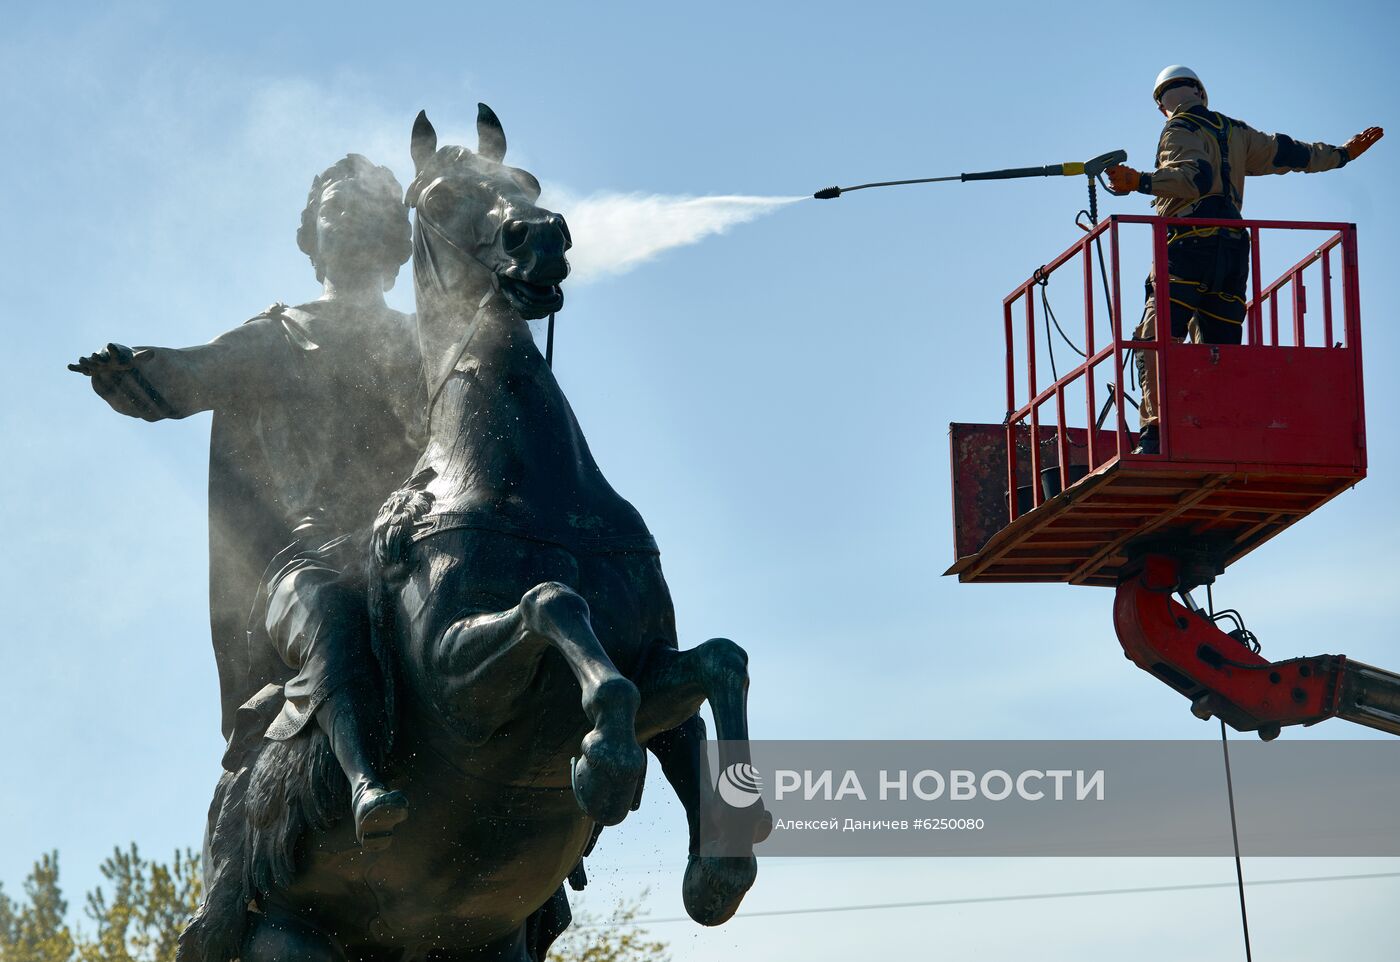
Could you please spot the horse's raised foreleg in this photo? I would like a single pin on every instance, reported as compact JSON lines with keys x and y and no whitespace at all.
{"x":491,"y":659}
{"x":674,"y":684}
{"x":681,"y":752}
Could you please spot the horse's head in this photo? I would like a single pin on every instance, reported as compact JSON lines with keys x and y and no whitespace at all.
{"x":484,"y":214}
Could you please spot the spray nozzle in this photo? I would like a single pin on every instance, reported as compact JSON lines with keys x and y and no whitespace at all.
{"x":828,"y":193}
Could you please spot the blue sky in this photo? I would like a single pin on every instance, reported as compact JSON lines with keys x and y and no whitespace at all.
{"x":774,"y":400}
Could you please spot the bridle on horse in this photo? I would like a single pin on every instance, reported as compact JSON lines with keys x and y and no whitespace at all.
{"x":428,"y":222}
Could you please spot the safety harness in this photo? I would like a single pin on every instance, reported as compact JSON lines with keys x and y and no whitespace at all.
{"x":1224,"y":203}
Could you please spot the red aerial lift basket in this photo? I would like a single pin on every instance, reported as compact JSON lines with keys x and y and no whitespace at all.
{"x":1253,"y":437}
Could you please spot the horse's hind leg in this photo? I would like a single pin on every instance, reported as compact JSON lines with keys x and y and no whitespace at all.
{"x":498,"y":655}
{"x":674,"y":685}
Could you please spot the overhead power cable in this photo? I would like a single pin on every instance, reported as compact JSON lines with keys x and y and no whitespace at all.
{"x":986,"y":899}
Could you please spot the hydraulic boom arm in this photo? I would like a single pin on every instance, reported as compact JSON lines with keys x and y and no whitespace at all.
{"x":1224,"y":676}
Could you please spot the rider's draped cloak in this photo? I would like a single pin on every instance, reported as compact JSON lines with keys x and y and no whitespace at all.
{"x":324,"y":425}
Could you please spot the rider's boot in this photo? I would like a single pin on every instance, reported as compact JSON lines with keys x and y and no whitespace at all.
{"x":377,"y":809}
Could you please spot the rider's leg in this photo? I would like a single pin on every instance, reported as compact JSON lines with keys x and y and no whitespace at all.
{"x":348,"y":717}
{"x":319,"y":626}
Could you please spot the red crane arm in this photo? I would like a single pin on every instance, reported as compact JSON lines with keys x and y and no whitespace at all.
{"x":1226,"y":678}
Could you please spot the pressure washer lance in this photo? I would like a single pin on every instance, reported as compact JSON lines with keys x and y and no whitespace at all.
{"x":1091,"y":168}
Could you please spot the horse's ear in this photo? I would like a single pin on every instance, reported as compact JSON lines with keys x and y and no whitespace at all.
{"x":527,"y":182}
{"x":424,"y":143}
{"x":490,"y":137}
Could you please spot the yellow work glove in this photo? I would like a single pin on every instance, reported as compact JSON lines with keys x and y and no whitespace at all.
{"x":1124,"y":179}
{"x":1362,"y":142}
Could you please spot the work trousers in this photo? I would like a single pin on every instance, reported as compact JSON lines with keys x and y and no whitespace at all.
{"x":1208,"y":272}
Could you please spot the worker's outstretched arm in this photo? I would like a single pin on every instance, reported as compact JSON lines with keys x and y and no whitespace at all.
{"x":1281,"y":154}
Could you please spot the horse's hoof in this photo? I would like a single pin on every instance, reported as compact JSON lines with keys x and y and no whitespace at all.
{"x":377,"y":813}
{"x":714,"y":886}
{"x":605,"y":780}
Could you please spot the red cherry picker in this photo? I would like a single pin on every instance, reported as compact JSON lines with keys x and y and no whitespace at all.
{"x":1253,"y":438}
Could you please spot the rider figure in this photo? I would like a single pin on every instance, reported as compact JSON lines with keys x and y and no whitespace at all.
{"x":329,"y":396}
{"x":1202,"y":160}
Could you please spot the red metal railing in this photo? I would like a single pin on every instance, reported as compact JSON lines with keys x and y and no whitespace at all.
{"x":1025,"y":416}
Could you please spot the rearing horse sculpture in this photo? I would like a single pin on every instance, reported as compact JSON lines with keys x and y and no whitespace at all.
{"x":528,"y":632}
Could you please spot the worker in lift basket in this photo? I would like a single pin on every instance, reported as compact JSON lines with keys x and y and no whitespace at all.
{"x":1203,"y":158}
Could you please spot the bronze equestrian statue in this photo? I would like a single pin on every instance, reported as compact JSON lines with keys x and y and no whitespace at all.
{"x":522,"y":647}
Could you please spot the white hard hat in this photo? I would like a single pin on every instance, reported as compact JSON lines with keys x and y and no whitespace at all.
{"x":1176,"y":72}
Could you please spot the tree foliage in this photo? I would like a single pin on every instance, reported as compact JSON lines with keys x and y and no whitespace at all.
{"x":140,"y":918}
{"x":618,"y":938}
{"x":138,"y":921}
{"x":36,"y":930}
{"x":149,"y":905}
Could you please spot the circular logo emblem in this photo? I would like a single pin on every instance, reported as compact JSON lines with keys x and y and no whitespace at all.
{"x":740,"y":785}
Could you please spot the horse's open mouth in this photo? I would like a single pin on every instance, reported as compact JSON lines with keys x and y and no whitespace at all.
{"x":532,"y":300}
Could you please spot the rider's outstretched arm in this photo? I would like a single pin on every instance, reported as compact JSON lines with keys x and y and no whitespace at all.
{"x":156,"y":383}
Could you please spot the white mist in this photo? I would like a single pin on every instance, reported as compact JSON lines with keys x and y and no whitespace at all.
{"x":613,"y":233}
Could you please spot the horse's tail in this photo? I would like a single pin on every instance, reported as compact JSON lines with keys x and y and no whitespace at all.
{"x":295,"y":786}
{"x":289,"y":788}
{"x":215,"y":933}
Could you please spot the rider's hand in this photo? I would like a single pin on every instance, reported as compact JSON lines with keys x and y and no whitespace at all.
{"x":1362,"y":142}
{"x":114,"y":378}
{"x":114,"y":358}
{"x":1125,"y":180}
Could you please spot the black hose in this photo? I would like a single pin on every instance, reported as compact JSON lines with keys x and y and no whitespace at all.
{"x":1043,"y":279}
{"x":1093,"y":213}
